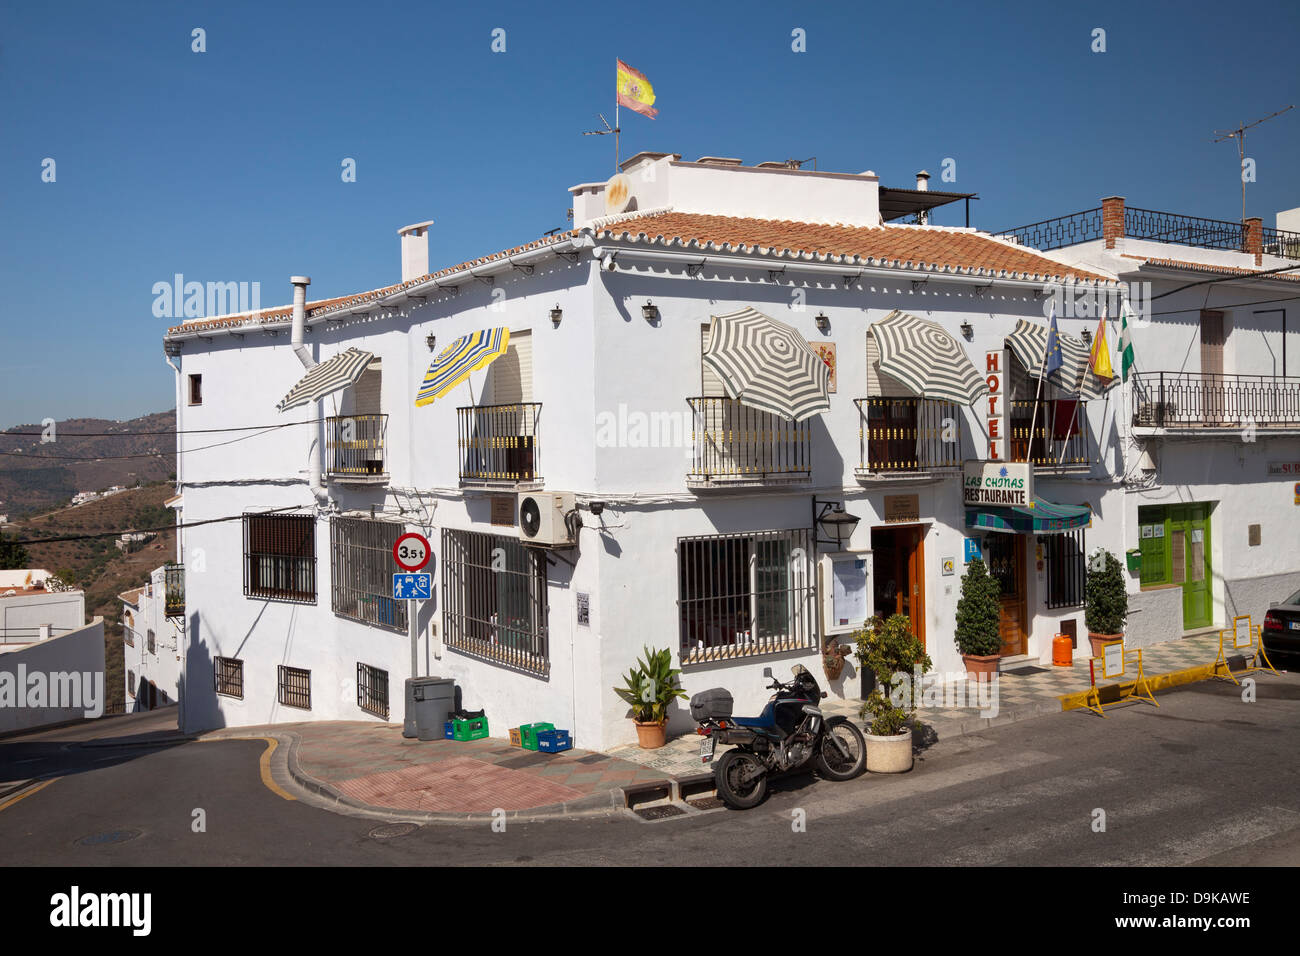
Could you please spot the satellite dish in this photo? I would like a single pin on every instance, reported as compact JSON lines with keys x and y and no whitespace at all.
{"x":618,"y":194}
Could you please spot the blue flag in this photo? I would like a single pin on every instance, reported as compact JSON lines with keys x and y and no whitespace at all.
{"x":1054,"y":357}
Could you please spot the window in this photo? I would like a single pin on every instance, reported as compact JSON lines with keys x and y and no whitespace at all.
{"x":229,"y":677}
{"x":196,"y":389}
{"x":150,"y":643}
{"x":280,"y":557}
{"x":295,"y":687}
{"x":372,"y":690}
{"x":1066,"y":568}
{"x":745,"y":594}
{"x":361,"y":571}
{"x":495,"y":610}
{"x":130,"y":683}
{"x":128,"y":635}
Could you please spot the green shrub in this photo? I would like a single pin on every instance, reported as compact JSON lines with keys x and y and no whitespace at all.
{"x":892,"y":653}
{"x":1106,"y":597}
{"x":978,"y":612}
{"x":651,"y":686}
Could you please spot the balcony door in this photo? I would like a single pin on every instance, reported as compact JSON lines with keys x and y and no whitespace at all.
{"x":505,"y":426}
{"x":1213,"y":382}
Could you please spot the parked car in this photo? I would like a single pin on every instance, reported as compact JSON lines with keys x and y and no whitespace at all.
{"x":1281,"y":631}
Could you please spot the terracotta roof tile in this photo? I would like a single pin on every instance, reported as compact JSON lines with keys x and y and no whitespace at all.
{"x":1207,"y":267}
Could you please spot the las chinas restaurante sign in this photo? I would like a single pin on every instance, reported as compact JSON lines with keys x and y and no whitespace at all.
{"x":1004,"y":483}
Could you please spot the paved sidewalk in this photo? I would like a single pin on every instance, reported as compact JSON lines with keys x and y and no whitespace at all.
{"x":372,"y":766}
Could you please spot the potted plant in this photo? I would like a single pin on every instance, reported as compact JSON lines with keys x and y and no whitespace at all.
{"x":1106,"y":600}
{"x":978,"y":613}
{"x":892,"y":653}
{"x":649,"y":688}
{"x":833,"y":655}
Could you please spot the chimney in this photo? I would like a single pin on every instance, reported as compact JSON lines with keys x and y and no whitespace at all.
{"x":1255,"y":238}
{"x":415,"y":250}
{"x":1112,"y":220}
{"x":922,"y":181}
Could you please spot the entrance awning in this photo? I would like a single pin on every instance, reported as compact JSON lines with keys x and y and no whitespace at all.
{"x":1042,"y":517}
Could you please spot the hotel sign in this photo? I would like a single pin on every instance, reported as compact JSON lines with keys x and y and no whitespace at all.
{"x":997,"y":483}
{"x":994,"y":398}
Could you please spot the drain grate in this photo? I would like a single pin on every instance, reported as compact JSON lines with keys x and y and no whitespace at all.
{"x":706,"y":803}
{"x":662,"y":812}
{"x":112,"y":836}
{"x":389,"y":831}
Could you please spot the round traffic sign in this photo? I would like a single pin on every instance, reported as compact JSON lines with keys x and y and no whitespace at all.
{"x":411,"y":551}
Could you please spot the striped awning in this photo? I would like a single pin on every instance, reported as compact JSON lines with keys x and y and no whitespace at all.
{"x":1040,"y":517}
{"x":1029,"y":345}
{"x":767,"y":365}
{"x":469,"y":353}
{"x":924,"y":357}
{"x":329,"y":376}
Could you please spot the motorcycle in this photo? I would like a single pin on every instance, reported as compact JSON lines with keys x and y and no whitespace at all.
{"x":789,"y":734}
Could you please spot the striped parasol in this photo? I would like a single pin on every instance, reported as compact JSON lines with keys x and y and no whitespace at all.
{"x":329,"y":376}
{"x":469,"y":353}
{"x":1029,"y":345}
{"x":768,"y":365}
{"x":924,"y":357}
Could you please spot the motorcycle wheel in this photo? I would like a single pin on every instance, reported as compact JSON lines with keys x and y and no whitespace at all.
{"x":738,"y":787}
{"x":834,"y":765}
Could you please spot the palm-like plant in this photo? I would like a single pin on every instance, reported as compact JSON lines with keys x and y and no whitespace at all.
{"x":651,"y":686}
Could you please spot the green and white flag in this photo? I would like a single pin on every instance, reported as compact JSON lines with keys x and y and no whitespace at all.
{"x":1125,"y":344}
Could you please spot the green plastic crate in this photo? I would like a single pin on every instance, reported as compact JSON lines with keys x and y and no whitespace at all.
{"x":529,"y":734}
{"x":475,"y":729}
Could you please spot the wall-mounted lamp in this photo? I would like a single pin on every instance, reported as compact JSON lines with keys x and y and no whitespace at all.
{"x":823,"y":323}
{"x":597,"y":508}
{"x":832,"y":519}
{"x":649,"y":311}
{"x":556,"y":314}
{"x":431,"y":340}
{"x":967,"y":331}
{"x":1086,"y":336}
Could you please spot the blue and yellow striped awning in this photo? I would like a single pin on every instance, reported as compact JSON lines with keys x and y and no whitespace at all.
{"x":1040,"y":517}
{"x":469,"y":353}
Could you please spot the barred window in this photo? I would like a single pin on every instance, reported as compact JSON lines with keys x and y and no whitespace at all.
{"x":128,"y":635}
{"x":741,"y":595}
{"x":361,"y":571}
{"x":372,"y":690}
{"x":230,"y":677}
{"x":495,"y":610}
{"x":130,"y":683}
{"x":150,"y":642}
{"x":280,"y":557}
{"x":295,"y":686}
{"x":1066,"y":568}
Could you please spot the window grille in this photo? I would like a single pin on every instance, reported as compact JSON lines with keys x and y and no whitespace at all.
{"x":230,"y":677}
{"x":280,"y":557}
{"x":372,"y":690}
{"x":361,"y":571}
{"x":1066,"y":568}
{"x":295,"y":686}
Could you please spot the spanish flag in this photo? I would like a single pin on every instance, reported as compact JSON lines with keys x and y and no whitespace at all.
{"x":1100,"y":358}
{"x":634,"y":90}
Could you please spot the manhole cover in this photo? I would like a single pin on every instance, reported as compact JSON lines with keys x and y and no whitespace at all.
{"x":112,"y":836}
{"x":658,"y":813}
{"x":390,"y":831}
{"x":706,"y":803}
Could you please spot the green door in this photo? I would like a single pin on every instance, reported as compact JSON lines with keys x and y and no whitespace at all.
{"x":1189,"y":547}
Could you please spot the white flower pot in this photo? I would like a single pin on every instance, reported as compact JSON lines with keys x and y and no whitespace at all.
{"x":889,"y":754}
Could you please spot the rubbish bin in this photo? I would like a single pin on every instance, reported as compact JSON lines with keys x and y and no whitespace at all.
{"x":429,"y":701}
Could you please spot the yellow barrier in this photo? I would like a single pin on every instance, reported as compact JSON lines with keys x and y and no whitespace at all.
{"x":1114,"y":662}
{"x":1252,"y":638}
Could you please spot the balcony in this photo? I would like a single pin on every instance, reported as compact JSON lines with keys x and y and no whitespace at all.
{"x":1052,"y":434}
{"x":734,"y":444}
{"x":1198,"y":400}
{"x":174,"y":590}
{"x":498,"y":446}
{"x":907,"y":438}
{"x":354,"y":449}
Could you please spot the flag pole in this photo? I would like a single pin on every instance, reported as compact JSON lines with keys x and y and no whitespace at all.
{"x":1029,"y":449}
{"x":617,"y":130}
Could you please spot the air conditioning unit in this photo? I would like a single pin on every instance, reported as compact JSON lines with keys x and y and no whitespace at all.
{"x":548,"y":519}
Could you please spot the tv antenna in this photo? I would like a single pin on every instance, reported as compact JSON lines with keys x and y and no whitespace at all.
{"x":605,"y":132}
{"x":1239,"y":134}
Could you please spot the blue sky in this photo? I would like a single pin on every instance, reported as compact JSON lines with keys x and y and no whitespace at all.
{"x":225,"y":165}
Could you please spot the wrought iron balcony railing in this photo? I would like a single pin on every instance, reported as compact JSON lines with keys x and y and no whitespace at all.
{"x":499,"y":443}
{"x":1051,"y":433}
{"x":174,"y":590}
{"x":1208,"y":400}
{"x":908,"y":436}
{"x":734,"y":442}
{"x":354,"y":446}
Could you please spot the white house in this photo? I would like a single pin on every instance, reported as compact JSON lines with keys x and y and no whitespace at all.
{"x":30,"y":612}
{"x":703,"y":522}
{"x":152,"y":622}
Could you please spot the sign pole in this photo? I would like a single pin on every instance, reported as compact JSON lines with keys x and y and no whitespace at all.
{"x":413,"y":631}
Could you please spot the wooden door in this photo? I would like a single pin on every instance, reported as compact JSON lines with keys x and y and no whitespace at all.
{"x":1191,"y":565}
{"x":1212,"y":380}
{"x":913,"y":541}
{"x":1005,"y":556}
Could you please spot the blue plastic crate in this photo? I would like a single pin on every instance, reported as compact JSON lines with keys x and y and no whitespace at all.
{"x":553,"y":741}
{"x":449,"y":730}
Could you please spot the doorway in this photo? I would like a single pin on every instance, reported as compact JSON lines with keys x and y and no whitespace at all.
{"x":898,"y":573}
{"x":1005,"y":556}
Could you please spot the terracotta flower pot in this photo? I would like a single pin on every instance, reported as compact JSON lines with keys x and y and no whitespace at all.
{"x":889,"y":754}
{"x":980,"y":667}
{"x":1097,"y":640}
{"x":651,"y":735}
{"x":833,"y":666}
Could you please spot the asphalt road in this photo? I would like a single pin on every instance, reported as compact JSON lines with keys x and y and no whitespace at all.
{"x":1205,"y":778}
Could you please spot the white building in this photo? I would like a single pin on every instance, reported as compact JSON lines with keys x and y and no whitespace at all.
{"x":30,"y":612}
{"x":152,"y":621}
{"x":698,"y":514}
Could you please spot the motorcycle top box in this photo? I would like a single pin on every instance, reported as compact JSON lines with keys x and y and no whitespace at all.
{"x":715,"y":702}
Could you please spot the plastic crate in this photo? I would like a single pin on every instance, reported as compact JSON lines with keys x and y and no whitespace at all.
{"x":515,"y":739}
{"x":528,"y":732}
{"x":475,"y":729}
{"x":553,"y":741}
{"x":449,"y":731}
